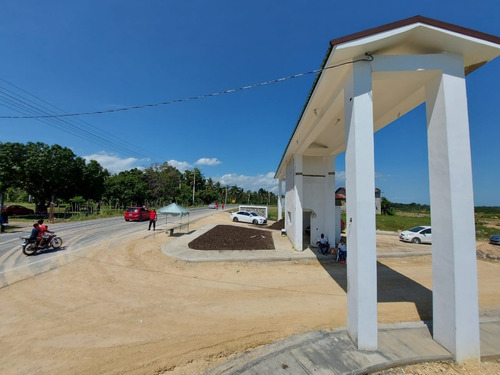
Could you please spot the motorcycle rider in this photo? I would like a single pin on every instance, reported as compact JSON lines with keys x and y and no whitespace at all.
{"x":35,"y":235}
{"x":44,"y":229}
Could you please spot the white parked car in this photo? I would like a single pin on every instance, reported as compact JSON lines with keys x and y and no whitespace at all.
{"x":421,"y":234}
{"x":248,"y":217}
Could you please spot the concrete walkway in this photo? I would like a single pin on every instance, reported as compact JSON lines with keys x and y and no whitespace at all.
{"x":330,"y":352}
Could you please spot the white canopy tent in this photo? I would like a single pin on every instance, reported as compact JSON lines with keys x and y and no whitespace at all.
{"x":175,"y":210}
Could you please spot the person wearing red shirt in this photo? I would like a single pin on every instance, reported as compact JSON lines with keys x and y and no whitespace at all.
{"x":152,"y":219}
{"x":44,"y":230}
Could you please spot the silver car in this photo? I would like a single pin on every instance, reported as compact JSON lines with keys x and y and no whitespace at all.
{"x":495,"y":239}
{"x":421,"y":234}
{"x":248,"y":217}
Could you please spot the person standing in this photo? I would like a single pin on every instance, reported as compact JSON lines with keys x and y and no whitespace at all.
{"x":152,"y":219}
{"x":4,"y":220}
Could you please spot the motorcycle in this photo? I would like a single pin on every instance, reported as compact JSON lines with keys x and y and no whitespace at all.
{"x":30,"y":248}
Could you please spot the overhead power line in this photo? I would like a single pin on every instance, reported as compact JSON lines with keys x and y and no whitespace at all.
{"x":369,"y":57}
{"x":21,"y":101}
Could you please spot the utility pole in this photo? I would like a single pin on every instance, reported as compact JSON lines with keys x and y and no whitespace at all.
{"x":225,"y":200}
{"x":194,"y":183}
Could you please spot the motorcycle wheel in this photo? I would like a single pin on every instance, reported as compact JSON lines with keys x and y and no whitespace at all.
{"x":29,"y":249}
{"x":56,"y":242}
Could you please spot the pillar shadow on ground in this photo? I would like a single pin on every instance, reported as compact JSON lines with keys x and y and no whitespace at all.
{"x":392,"y":286}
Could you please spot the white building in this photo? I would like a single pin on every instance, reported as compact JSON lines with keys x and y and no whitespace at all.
{"x":368,"y":80}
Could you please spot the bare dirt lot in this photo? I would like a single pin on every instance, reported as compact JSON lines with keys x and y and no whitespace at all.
{"x":126,"y":308}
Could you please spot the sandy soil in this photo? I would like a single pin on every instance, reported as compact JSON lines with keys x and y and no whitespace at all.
{"x":129,"y":309}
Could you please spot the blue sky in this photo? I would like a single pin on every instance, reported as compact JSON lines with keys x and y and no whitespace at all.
{"x":84,"y":56}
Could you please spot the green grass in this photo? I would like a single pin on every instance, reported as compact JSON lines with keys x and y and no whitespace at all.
{"x":272,"y":213}
{"x":397,"y":223}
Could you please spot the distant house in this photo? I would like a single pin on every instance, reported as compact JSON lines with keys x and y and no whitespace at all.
{"x":340,"y":197}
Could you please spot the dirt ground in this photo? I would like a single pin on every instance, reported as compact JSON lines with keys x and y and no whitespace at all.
{"x":129,"y":309}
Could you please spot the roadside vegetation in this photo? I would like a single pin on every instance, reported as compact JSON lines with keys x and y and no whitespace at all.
{"x":35,"y":174}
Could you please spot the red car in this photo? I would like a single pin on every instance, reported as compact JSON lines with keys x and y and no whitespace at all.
{"x":14,"y":209}
{"x":136,"y":213}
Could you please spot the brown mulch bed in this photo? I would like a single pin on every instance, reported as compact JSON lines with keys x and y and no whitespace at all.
{"x":279,"y":225}
{"x":230,"y":237}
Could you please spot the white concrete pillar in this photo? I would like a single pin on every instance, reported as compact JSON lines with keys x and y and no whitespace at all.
{"x":360,"y":187}
{"x":454,"y":266}
{"x":298,"y":224}
{"x":338,"y":217}
{"x":280,"y":204}
{"x":329,"y":200}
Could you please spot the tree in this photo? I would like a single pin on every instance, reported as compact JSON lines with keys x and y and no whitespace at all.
{"x":94,"y":177}
{"x":163,"y":182}
{"x":11,"y":161}
{"x":385,"y":206}
{"x":51,"y":171}
{"x":127,"y":188}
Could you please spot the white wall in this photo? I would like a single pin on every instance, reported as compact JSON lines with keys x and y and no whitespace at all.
{"x":319,"y":195}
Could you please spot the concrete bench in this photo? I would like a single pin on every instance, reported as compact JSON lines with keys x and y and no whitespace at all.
{"x":178,"y":227}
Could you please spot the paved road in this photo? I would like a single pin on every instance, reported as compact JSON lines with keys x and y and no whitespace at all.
{"x":77,"y":237}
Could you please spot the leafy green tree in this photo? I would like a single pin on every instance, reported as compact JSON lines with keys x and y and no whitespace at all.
{"x":127,"y":188}
{"x":386,"y":206}
{"x":11,"y":162}
{"x":51,"y":171}
{"x":94,"y":177}
{"x":163,"y":182}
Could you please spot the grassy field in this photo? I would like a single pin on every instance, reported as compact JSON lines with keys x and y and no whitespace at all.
{"x":487,"y":223}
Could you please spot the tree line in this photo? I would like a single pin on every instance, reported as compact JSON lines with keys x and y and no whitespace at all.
{"x":54,"y":173}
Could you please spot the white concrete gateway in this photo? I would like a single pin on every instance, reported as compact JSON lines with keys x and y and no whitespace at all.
{"x":368,"y":80}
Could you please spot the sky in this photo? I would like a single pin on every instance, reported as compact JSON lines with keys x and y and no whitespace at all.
{"x":83,"y":56}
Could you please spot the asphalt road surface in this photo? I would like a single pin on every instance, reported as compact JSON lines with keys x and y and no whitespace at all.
{"x":77,"y":238}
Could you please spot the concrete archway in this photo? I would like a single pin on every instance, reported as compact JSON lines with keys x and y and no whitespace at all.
{"x":370,"y":79}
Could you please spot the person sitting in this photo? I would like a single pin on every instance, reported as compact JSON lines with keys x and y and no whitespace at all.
{"x":44,"y":233}
{"x":35,"y":235}
{"x":341,"y":251}
{"x":323,"y":244}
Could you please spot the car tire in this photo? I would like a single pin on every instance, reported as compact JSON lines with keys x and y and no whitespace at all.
{"x":416,"y":240}
{"x":126,"y":220}
{"x":235,"y":219}
{"x":255,"y":222}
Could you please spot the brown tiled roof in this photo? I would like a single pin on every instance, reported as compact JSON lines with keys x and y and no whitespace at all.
{"x":412,"y":20}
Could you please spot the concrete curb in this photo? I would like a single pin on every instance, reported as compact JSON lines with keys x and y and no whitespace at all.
{"x":333,"y":352}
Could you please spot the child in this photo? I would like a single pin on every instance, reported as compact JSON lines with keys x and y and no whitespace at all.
{"x":342,"y":250}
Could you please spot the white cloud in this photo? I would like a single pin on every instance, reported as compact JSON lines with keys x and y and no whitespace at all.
{"x":208,"y":161}
{"x":180,"y":165}
{"x":115,"y":164}
{"x":252,"y":183}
